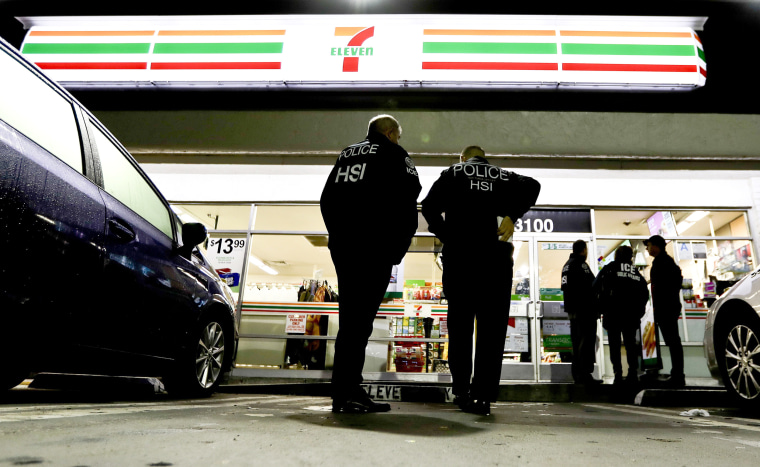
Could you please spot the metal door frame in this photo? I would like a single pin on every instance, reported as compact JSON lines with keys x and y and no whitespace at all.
{"x":534,"y":305}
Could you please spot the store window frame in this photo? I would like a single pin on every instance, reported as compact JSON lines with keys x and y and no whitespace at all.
{"x":680,"y":238}
{"x":596,"y":237}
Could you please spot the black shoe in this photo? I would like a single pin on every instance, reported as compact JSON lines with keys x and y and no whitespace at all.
{"x":462,"y":401}
{"x":675,"y":381}
{"x":618,"y":381}
{"x":478,"y":407}
{"x":632,"y":379}
{"x":359,"y":405}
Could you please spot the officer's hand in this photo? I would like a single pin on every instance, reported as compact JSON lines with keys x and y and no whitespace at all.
{"x":506,"y":229}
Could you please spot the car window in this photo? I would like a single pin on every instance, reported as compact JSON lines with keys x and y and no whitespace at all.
{"x":34,"y":108}
{"x":125,"y":183}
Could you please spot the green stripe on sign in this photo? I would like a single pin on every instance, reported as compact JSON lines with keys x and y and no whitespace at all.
{"x":628,"y":49}
{"x":701,"y":54}
{"x":488,"y":48}
{"x":220,"y":48}
{"x":86,"y":48}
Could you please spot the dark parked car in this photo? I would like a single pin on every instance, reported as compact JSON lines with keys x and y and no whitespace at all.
{"x":732,"y":340}
{"x":97,"y":273}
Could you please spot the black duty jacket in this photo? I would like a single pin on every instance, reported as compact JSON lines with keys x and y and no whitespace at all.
{"x":472,"y":195}
{"x":369,"y":202}
{"x":577,"y":279}
{"x":622,"y":295}
{"x":666,"y":282}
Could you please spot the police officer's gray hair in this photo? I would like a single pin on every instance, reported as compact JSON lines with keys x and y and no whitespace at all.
{"x":383,"y":123}
{"x":473,"y":151}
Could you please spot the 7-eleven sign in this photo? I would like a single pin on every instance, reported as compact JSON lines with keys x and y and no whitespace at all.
{"x":354,"y":50}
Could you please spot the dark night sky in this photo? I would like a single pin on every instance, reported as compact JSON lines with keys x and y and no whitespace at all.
{"x":728,"y":39}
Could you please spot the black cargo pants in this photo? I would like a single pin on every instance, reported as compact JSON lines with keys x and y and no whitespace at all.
{"x":478,"y":286}
{"x":362,"y":283}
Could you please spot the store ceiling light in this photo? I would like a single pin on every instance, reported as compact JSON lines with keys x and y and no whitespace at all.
{"x":696,"y":215}
{"x":687,"y":223}
{"x":260,"y":264}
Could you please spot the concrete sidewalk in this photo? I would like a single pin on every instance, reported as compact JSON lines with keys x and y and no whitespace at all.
{"x":697,"y":393}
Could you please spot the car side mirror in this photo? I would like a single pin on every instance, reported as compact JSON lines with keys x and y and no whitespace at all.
{"x":193,"y":234}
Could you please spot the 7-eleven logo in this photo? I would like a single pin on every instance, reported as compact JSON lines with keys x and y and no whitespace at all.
{"x":354,"y":50}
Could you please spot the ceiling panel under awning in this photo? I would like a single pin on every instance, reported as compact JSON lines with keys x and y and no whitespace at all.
{"x":370,"y":51}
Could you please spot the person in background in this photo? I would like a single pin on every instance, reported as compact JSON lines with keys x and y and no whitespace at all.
{"x":369,"y":205}
{"x":463,"y":209}
{"x":577,"y":280}
{"x":666,"y":280}
{"x":623,"y":295}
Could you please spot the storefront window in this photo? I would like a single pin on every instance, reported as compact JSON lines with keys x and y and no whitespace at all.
{"x":215,"y":216}
{"x":713,"y":249}
{"x":288,"y":286}
{"x":284,"y":218}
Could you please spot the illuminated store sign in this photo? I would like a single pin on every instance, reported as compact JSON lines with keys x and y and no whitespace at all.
{"x":653,"y":53}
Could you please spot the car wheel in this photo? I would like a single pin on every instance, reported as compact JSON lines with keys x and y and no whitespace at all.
{"x":199,"y":372}
{"x":740,"y":361}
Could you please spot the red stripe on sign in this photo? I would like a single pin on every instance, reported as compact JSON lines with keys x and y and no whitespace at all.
{"x":351,"y":64}
{"x":92,"y":66}
{"x":628,"y":67}
{"x":703,"y":72}
{"x":487,"y":66}
{"x":215,"y":66}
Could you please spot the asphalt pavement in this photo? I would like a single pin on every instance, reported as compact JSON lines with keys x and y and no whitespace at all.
{"x":92,"y":428}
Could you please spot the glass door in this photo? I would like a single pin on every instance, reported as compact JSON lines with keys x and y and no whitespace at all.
{"x":519,"y":354}
{"x":552,"y":346}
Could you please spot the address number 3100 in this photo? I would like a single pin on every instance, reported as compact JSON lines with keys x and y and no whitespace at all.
{"x":534,"y":225}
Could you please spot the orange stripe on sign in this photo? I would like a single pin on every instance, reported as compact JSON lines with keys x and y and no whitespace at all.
{"x":624,"y":34}
{"x":91,"y":33}
{"x":487,"y":32}
{"x":236,"y":32}
{"x":348,"y":31}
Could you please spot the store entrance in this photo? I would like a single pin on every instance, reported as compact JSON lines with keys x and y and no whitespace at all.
{"x":538,"y":346}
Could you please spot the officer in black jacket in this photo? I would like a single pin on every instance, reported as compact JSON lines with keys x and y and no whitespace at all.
{"x":623,"y":297}
{"x":666,"y":279}
{"x":577,"y":279}
{"x":369,"y":205}
{"x":462,"y":210}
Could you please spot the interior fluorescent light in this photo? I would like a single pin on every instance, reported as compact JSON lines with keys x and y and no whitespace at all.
{"x":260,"y":264}
{"x":696,"y":215}
{"x":683,"y":226}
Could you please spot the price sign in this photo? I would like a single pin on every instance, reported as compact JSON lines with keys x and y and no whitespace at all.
{"x":227,"y":256}
{"x":226,"y":245}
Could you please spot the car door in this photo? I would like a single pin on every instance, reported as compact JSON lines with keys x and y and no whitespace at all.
{"x":52,"y":216}
{"x":149,"y":299}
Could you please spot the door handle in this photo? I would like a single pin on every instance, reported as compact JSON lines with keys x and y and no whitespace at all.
{"x":120,"y":230}
{"x":540,"y":305}
{"x":527,"y":308}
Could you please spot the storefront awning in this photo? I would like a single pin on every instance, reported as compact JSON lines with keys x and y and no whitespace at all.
{"x":370,"y":51}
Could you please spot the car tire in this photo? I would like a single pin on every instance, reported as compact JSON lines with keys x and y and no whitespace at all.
{"x":738,"y":354}
{"x":199,"y":371}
